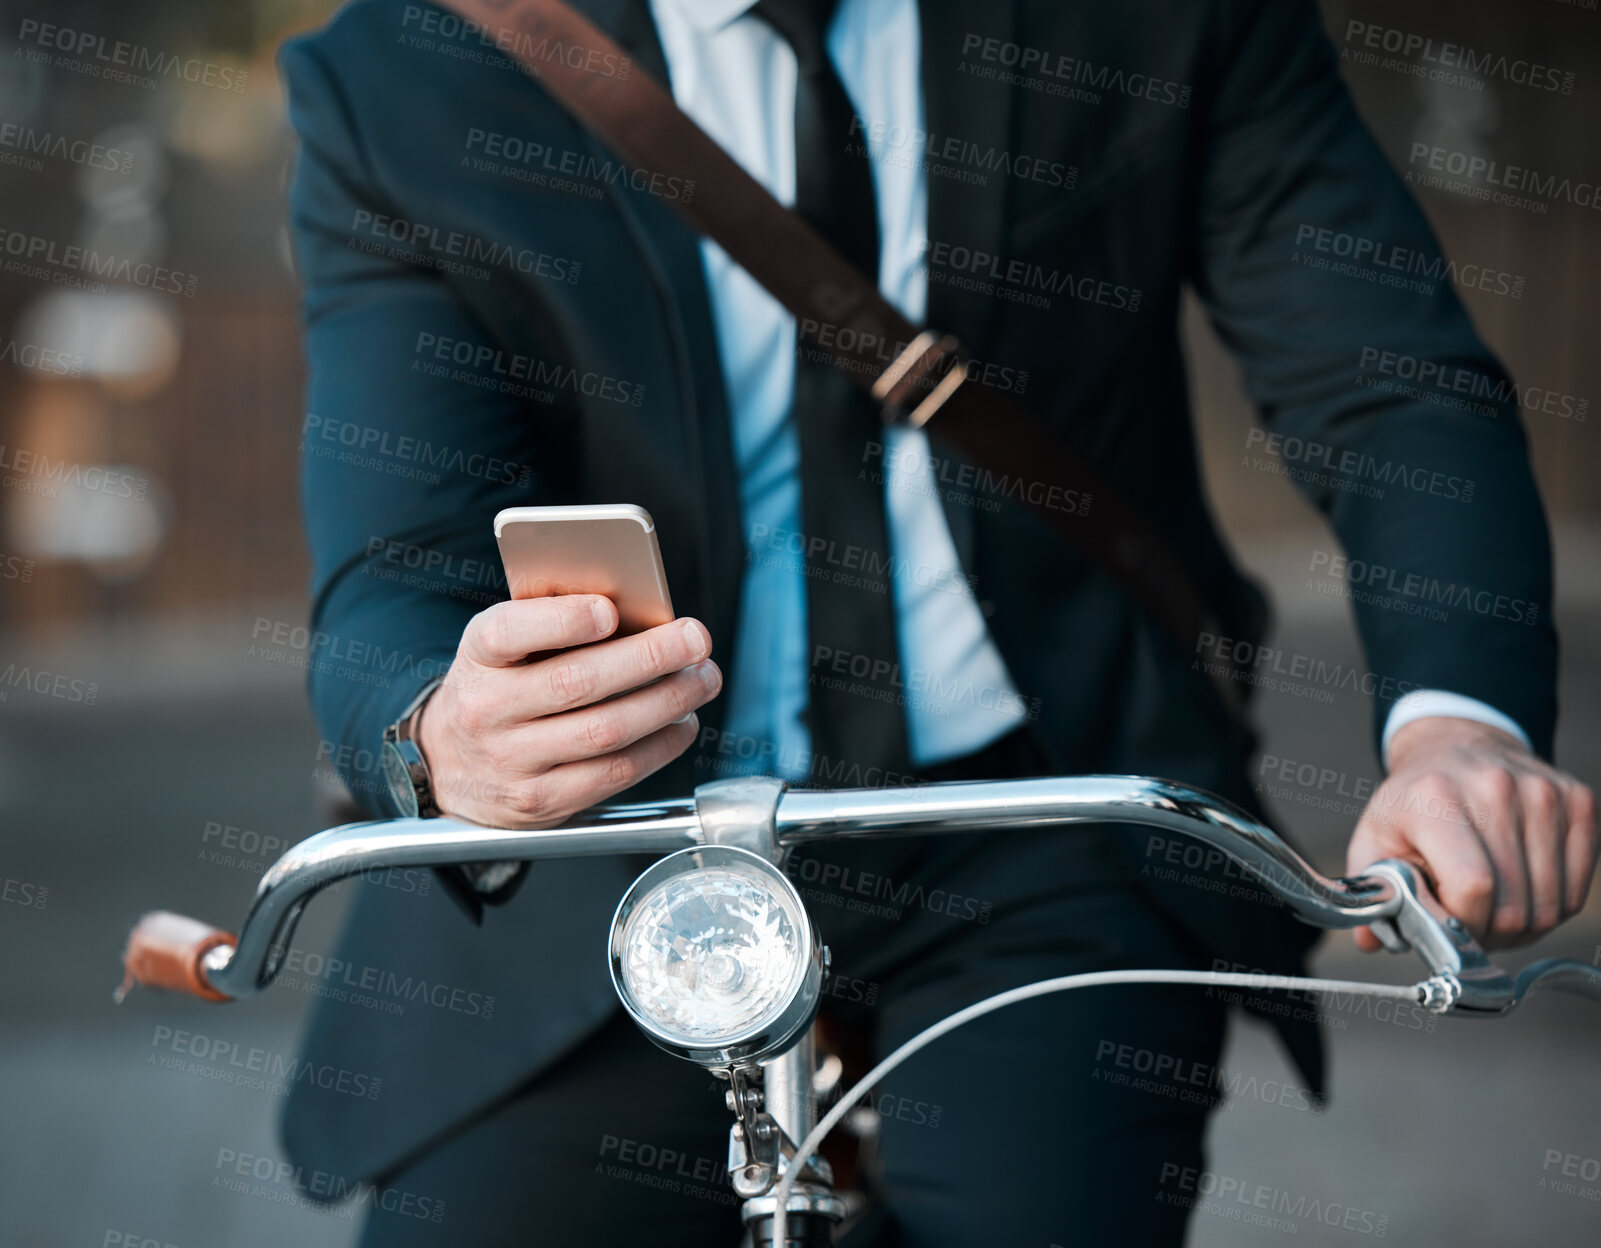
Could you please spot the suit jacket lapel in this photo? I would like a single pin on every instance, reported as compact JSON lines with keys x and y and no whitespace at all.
{"x":977,"y":110}
{"x":673,"y":264}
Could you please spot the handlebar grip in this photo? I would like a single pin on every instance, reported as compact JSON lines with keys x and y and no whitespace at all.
{"x":165,"y":950}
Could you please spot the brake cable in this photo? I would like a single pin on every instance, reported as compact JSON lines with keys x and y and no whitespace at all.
{"x":1417,"y":994}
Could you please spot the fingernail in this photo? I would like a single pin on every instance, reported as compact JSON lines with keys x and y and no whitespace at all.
{"x":687,"y":719}
{"x":710,"y":676}
{"x":696,"y":636}
{"x":602,"y":611}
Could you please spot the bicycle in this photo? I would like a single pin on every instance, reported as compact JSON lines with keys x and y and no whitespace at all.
{"x":714,"y":956}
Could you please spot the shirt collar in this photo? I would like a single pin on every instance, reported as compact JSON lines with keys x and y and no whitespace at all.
{"x":711,"y":15}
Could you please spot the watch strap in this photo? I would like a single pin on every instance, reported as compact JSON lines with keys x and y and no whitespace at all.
{"x":403,"y":731}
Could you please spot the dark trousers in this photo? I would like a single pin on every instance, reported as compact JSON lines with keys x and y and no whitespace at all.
{"x":1037,"y":1125}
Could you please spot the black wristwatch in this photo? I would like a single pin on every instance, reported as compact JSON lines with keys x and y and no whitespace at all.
{"x":405,"y":769}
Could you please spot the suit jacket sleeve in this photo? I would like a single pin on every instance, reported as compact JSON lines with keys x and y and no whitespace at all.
{"x":404,"y":463}
{"x":1285,"y":156}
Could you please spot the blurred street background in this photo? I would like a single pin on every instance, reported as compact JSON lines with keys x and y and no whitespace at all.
{"x":154,"y":756}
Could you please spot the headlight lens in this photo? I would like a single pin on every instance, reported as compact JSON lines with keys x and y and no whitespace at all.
{"x":713,"y":954}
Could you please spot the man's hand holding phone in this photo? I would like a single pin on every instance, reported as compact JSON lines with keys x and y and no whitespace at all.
{"x":540,"y":716}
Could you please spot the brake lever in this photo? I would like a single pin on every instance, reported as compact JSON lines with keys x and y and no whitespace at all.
{"x":1463,"y":980}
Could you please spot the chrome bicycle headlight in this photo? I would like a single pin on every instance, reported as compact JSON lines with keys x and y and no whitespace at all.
{"x":713,"y":955}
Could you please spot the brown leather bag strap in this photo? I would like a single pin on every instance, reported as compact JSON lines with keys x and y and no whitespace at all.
{"x":594,"y":79}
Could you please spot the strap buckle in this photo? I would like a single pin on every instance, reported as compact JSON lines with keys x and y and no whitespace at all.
{"x":929,"y":355}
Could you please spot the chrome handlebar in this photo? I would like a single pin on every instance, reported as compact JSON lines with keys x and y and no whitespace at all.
{"x":762,"y":815}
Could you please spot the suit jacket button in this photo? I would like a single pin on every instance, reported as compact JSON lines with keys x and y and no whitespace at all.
{"x":987,"y":606}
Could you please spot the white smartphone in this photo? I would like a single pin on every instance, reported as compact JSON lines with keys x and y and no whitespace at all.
{"x":603,"y":548}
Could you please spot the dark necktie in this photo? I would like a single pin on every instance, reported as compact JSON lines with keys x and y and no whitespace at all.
{"x":857,"y":688}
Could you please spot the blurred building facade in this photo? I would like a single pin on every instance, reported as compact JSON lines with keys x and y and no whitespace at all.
{"x":185,"y":394}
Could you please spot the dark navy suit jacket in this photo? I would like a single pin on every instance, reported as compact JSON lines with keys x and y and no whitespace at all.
{"x":483,"y":334}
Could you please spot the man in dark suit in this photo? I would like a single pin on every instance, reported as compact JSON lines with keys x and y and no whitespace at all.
{"x":500,"y":313}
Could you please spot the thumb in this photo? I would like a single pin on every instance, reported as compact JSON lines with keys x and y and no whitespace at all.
{"x":1368,"y":845}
